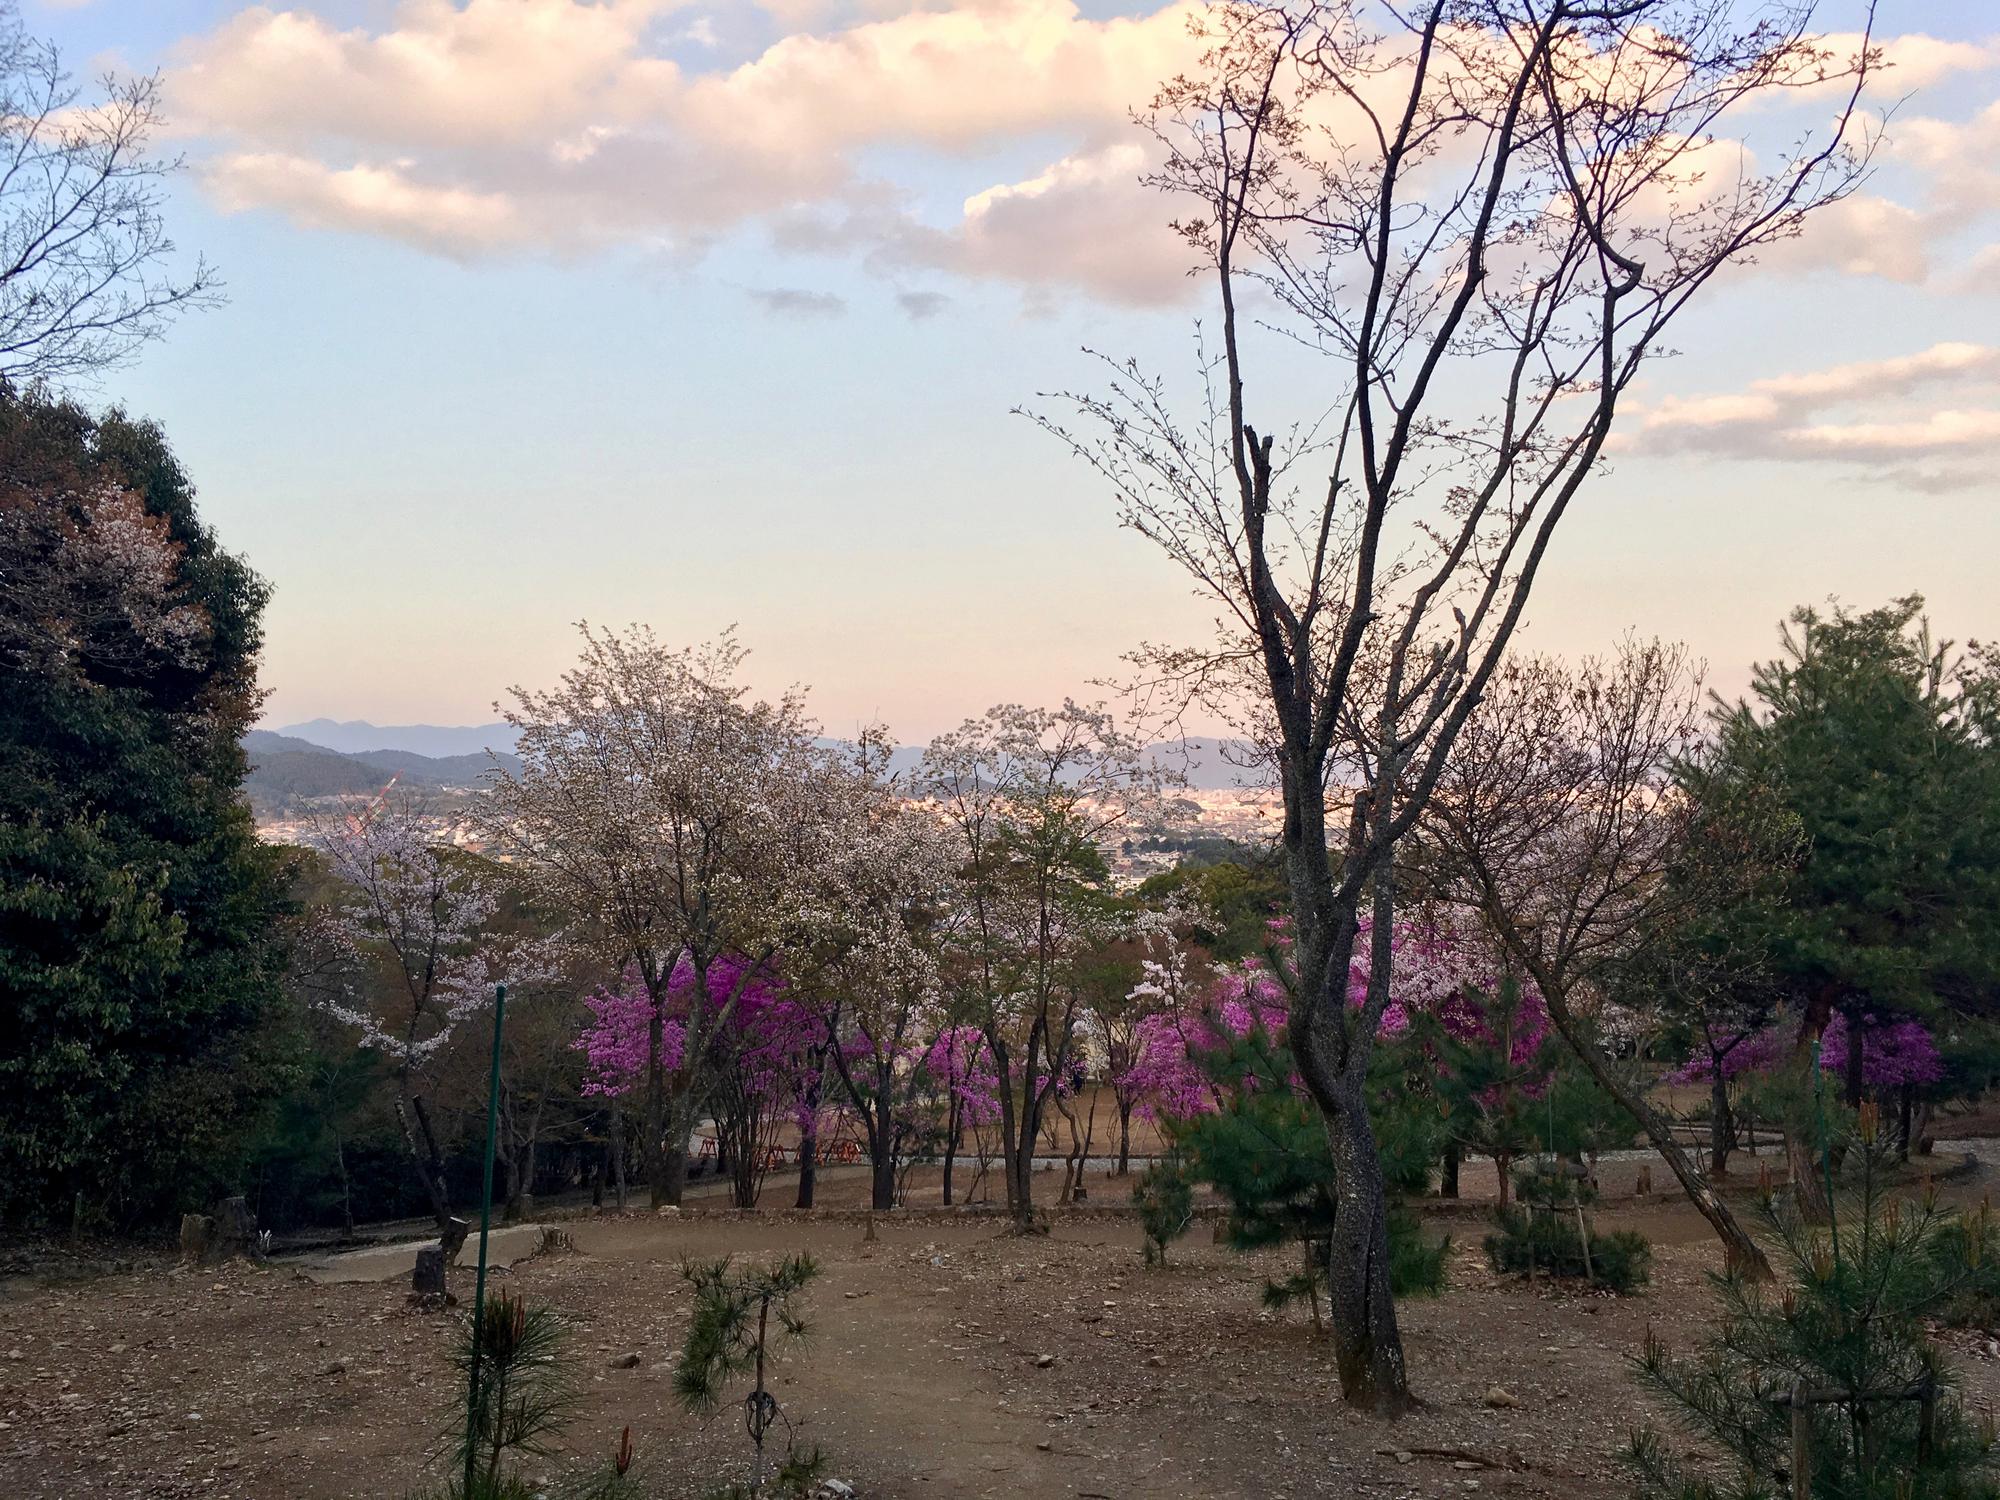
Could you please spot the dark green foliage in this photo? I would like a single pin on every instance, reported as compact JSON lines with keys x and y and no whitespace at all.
{"x":1547,"y":1231}
{"x":1532,"y":1243}
{"x":1846,"y":1326}
{"x":1164,"y":1197}
{"x":524,"y":1393}
{"x":1416,"y":1261}
{"x":1239,"y":890}
{"x":1265,"y":1153}
{"x":136,"y":969}
{"x":1880,"y":745}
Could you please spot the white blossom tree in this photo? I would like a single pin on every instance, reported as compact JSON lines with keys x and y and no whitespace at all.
{"x":409,"y":953}
{"x":680,"y":822}
{"x":877,"y":976}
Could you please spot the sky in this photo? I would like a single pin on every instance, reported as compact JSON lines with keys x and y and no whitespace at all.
{"x":543,"y":311}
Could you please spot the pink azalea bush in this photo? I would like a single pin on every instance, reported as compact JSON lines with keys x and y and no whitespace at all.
{"x":1893,"y":1053}
{"x":1434,"y":972}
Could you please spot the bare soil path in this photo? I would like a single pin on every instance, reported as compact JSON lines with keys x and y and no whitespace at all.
{"x":947,"y":1361}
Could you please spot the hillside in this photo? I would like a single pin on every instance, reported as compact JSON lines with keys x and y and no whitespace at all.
{"x":286,"y":770}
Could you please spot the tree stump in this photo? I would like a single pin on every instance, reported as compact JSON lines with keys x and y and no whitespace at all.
{"x":1644,"y":1186}
{"x":234,"y":1231}
{"x":197,"y":1232}
{"x":427,"y":1281}
{"x":453,"y":1239}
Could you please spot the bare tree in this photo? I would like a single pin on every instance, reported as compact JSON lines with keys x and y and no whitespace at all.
{"x":86,"y":265}
{"x":1559,"y":820}
{"x":1485,"y":215}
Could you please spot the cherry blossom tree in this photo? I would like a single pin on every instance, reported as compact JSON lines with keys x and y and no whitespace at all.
{"x":410,"y":953}
{"x":1028,"y":794}
{"x":1561,"y":822}
{"x":677,"y":819}
{"x":1487,"y":216}
{"x":879,"y":982}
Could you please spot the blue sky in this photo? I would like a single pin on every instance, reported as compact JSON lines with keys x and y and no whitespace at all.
{"x":441,"y":453}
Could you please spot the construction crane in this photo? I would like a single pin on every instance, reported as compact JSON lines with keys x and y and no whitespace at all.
{"x":376,"y":806}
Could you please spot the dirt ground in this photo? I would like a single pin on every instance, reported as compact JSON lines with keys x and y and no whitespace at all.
{"x":926,"y":1375}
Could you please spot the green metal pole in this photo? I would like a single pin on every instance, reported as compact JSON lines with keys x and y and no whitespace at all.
{"x":485,"y":1225}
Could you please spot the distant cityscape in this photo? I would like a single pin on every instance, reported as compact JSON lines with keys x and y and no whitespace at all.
{"x":301,"y":773}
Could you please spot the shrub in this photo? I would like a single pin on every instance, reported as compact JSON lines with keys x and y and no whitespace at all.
{"x":1547,"y":1230}
{"x":524,"y":1398}
{"x":740,"y":1320}
{"x":1164,"y":1196}
{"x":1416,"y":1261}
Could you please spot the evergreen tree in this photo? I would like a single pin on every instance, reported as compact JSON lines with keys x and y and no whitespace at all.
{"x":1264,"y":1151}
{"x":136,"y":970}
{"x":1844,"y":1344}
{"x":1880,"y":746}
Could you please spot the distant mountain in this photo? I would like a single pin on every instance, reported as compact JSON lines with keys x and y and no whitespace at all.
{"x":446,"y":770}
{"x":455,"y":755}
{"x":285,"y":768}
{"x":357,"y":736}
{"x":1209,"y":765}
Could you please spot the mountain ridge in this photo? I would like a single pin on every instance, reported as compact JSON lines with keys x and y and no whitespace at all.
{"x":1207,"y":763}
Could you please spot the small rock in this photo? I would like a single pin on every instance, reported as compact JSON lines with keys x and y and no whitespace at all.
{"x":337,"y":1367}
{"x":1404,"y":1456}
{"x":625,"y":1362}
{"x":1157,"y":1361}
{"x":1463,"y":1463}
{"x":1502,"y":1399}
{"x":1043,"y":1361}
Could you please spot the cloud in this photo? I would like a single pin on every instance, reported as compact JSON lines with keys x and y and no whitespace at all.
{"x":1882,"y":415}
{"x":922,"y":305}
{"x":489,"y":125}
{"x":797,"y":302}
{"x":481,"y":127}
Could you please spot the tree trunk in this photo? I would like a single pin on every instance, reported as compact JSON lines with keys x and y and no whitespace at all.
{"x":1367,"y":1346}
{"x":1906,"y":1111}
{"x":621,"y":1187}
{"x":1718,"y":1123}
{"x":1804,"y":1164}
{"x":1743,"y":1256}
{"x":423,"y":1153}
{"x":808,"y":1172}
{"x":1124,"y":1137}
{"x":952,"y":1128}
{"x":346,"y":1186}
{"x":650,"y":1163}
{"x":670,"y":1154}
{"x":809,"y":1148}
{"x":1448,"y":1171}
{"x":883,"y":1171}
